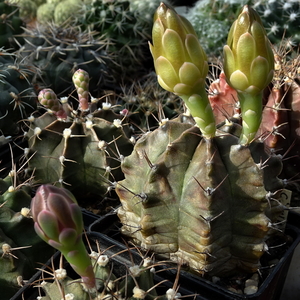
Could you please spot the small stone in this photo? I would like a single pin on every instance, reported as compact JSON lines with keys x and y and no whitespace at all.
{"x":250,"y":282}
{"x":249,"y":290}
{"x":215,"y":279}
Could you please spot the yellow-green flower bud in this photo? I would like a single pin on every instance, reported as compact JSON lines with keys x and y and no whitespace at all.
{"x":248,"y":56}
{"x":181,"y":64}
{"x":249,"y":68}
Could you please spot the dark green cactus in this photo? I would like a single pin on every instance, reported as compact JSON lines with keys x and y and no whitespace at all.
{"x":10,"y":24}
{"x":21,"y":248}
{"x":17,"y":94}
{"x":78,"y":149}
{"x":58,"y":51}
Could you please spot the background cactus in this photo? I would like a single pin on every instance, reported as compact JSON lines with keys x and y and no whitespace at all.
{"x":211,"y":200}
{"x":57,"y":52}
{"x":80,"y":150}
{"x":17,"y":94}
{"x":22,"y":250}
{"x":10,"y":24}
{"x":212,"y":20}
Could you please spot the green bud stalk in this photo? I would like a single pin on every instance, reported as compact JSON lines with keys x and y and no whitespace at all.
{"x":58,"y":221}
{"x":249,"y":68}
{"x":181,"y":65}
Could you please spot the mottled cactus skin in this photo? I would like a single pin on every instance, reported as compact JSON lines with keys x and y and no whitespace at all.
{"x":205,"y":201}
{"x":78,"y":149}
{"x":16,"y":230}
{"x":17,"y":95}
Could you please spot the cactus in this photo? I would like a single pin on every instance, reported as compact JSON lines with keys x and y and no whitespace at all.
{"x":212,"y":19}
{"x":279,"y":129}
{"x":58,"y":221}
{"x":194,"y":193}
{"x":10,"y":24}
{"x":57,"y":52}
{"x":127,"y":30}
{"x":145,"y":102}
{"x":115,"y":277}
{"x":18,"y":98}
{"x":21,"y":249}
{"x":77,"y":148}
{"x":281,"y":18}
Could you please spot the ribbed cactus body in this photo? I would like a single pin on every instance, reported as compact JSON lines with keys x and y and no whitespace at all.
{"x":21,"y":250}
{"x":17,"y":94}
{"x":204,"y":201}
{"x":79,"y":154}
{"x":10,"y":24}
{"x":57,"y":52}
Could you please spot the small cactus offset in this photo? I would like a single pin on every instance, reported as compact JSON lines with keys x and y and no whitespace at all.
{"x":195,"y":192}
{"x":77,"y":148}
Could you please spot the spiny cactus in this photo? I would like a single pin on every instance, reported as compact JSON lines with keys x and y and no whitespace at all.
{"x":209,"y":197}
{"x":281,"y":18}
{"x":21,"y":249}
{"x":279,"y":129}
{"x":17,"y":94}
{"x":57,"y":52}
{"x":212,"y":19}
{"x":10,"y":24}
{"x":81,"y":148}
{"x":127,"y":30}
{"x":145,"y":103}
{"x":58,"y":221}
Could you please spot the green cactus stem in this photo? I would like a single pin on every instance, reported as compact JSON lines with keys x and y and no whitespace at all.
{"x":201,"y":200}
{"x":77,"y":149}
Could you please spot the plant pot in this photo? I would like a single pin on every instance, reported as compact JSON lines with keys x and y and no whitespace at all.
{"x":270,"y":288}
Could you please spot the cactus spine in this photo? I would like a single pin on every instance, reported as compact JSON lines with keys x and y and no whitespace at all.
{"x":77,"y":149}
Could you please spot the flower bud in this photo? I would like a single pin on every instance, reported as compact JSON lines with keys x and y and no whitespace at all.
{"x":249,"y":68}
{"x":49,"y":99}
{"x":58,"y":221}
{"x":181,"y":64}
{"x":248,"y":56}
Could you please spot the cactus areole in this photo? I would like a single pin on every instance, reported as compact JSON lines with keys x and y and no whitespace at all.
{"x":206,"y":199}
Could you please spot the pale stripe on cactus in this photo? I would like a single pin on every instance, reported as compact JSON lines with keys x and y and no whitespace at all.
{"x":181,"y":64}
